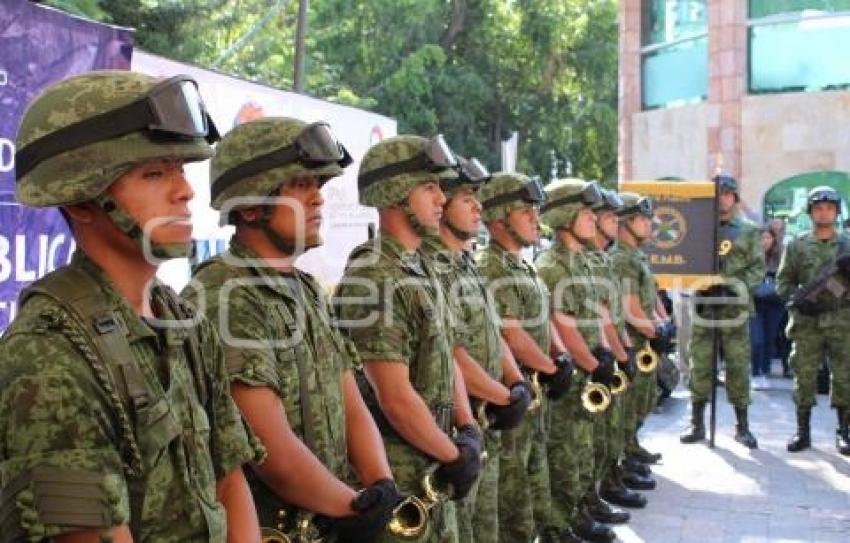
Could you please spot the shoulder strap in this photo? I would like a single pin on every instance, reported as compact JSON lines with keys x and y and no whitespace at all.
{"x":191,"y":346}
{"x":96,"y":329}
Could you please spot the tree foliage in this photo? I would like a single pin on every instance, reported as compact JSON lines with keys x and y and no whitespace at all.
{"x":475,"y":70}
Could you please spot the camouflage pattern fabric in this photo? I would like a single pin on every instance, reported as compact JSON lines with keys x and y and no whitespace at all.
{"x":631,"y":266}
{"x":814,"y":336}
{"x":75,"y":451}
{"x":745,"y":263}
{"x":254,"y":139}
{"x":277,"y":333}
{"x":502,"y":183}
{"x":568,"y":275}
{"x":475,"y":326}
{"x":563,"y":214}
{"x":393,"y":190}
{"x":81,"y":174}
{"x":407,"y":324}
{"x":519,"y":294}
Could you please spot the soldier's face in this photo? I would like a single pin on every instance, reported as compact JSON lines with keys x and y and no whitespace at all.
{"x":156,"y":195}
{"x":584,"y":225}
{"x":824,"y":213}
{"x":526,"y":223}
{"x":641,"y":226}
{"x":464,"y":211}
{"x":426,"y":202}
{"x":726,"y":202}
{"x":298,"y":213}
{"x":606,"y":222}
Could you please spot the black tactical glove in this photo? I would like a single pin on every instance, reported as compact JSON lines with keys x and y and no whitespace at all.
{"x":558,"y":383}
{"x":374,"y":506}
{"x":664,"y":335}
{"x":843,"y":265}
{"x":505,"y":417}
{"x":604,"y":372}
{"x":629,"y":367}
{"x":463,"y":472}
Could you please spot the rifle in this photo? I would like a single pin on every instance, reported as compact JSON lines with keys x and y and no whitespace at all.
{"x":828,"y":280}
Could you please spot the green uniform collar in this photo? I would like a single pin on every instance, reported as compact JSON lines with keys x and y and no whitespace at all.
{"x":275,"y":280}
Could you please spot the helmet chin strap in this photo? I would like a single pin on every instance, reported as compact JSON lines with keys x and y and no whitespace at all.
{"x":416,"y":224}
{"x":128,"y":225}
{"x":461,"y":235}
{"x":628,"y":225}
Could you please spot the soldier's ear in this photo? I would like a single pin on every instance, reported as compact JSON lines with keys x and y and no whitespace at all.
{"x":82,"y":213}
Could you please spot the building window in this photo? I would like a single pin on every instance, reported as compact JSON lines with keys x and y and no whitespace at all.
{"x":674,"y":54}
{"x":787,"y":199}
{"x":799,"y":45}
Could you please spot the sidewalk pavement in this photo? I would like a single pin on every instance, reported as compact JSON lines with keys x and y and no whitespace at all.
{"x":732,"y":494}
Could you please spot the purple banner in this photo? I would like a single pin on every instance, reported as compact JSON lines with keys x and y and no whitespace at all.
{"x":39,"y":46}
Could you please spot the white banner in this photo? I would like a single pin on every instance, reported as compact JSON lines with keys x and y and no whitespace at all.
{"x":232,"y":101}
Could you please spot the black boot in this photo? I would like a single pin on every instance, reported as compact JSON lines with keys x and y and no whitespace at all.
{"x":742,"y":429}
{"x":696,"y":431}
{"x":569,"y":536}
{"x":631,"y":463}
{"x":842,"y":434}
{"x":638,"y":482}
{"x":803,"y":438}
{"x":641,"y":453}
{"x":589,"y":529}
{"x":601,"y":511}
{"x":614,"y":491}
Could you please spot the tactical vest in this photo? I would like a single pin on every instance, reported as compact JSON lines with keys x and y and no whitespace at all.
{"x":91,"y":323}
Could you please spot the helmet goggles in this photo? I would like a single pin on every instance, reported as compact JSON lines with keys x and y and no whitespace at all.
{"x":435,"y":157}
{"x":643,"y":206}
{"x":589,"y":196}
{"x":471,"y":172}
{"x":172,"y":110}
{"x":314,"y":147}
{"x":611,"y":201}
{"x":532,"y":193}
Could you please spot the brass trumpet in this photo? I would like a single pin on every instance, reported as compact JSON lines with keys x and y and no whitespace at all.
{"x":647,"y":359}
{"x":270,"y":535}
{"x":620,"y":382}
{"x":410,"y":517}
{"x":595,"y":397}
{"x":537,"y":389}
{"x":304,"y":528}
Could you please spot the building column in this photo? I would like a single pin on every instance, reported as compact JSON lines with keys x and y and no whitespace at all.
{"x":629,"y":92}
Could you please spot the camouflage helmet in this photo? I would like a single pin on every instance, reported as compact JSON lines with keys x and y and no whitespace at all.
{"x":565,"y":198}
{"x":727,"y":183}
{"x":388,"y":171}
{"x":823,"y":193}
{"x":611,"y":201}
{"x":77,"y":174}
{"x":252,"y":144}
{"x":507,"y":191}
{"x":635,"y":204}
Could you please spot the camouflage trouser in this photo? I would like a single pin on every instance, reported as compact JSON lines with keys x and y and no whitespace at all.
{"x":570,"y":453}
{"x":516,"y":513}
{"x":810,"y":345}
{"x":538,"y":468}
{"x":478,"y":513}
{"x":639,"y":403}
{"x":408,"y":468}
{"x":608,"y":443}
{"x":735,"y":346}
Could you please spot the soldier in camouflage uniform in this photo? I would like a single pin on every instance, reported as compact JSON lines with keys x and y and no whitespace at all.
{"x":820,"y":326}
{"x":498,"y":392}
{"x":567,"y":270}
{"x":290,"y":369}
{"x":115,"y":418}
{"x":731,"y":302}
{"x":612,"y":488}
{"x":510,"y":210}
{"x":392,"y":307}
{"x":643,"y":326}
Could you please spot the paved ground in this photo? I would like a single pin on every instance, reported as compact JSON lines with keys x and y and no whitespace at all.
{"x":731,"y":494}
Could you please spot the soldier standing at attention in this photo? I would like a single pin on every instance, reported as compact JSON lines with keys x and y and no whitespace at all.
{"x":510,"y":204}
{"x":393,"y":308}
{"x":578,"y":320}
{"x":496,"y":387}
{"x":290,"y":369}
{"x":819,"y":326}
{"x":637,"y":284}
{"x":741,"y":269}
{"x":116,"y":421}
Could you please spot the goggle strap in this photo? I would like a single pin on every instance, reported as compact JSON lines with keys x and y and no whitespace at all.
{"x":260,"y":164}
{"x":420,"y":162}
{"x":520,"y":194}
{"x":561,"y":201}
{"x":631,"y":210}
{"x":104,"y":126}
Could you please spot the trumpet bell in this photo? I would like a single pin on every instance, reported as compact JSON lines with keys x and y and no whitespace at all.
{"x":270,"y":535}
{"x":410,"y":519}
{"x":595,"y":397}
{"x":647,"y":360}
{"x":621,"y":382}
